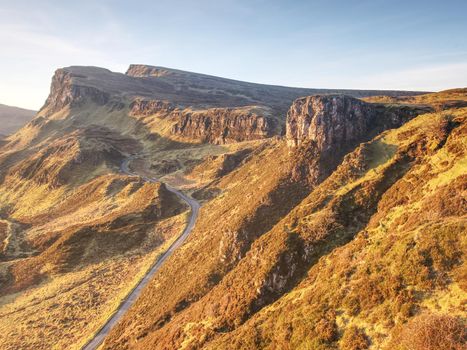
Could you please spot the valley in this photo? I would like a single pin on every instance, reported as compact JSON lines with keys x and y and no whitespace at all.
{"x":134,"y":294}
{"x":164,"y":209}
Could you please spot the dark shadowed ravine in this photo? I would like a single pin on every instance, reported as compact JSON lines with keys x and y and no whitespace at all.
{"x":134,"y":294}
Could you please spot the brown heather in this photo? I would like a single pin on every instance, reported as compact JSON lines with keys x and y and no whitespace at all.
{"x":350,"y":237}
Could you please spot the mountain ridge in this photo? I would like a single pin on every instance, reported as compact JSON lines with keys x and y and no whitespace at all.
{"x":326,"y":220}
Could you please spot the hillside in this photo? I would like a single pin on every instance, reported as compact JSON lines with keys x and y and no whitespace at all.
{"x":330,"y":219}
{"x":454,"y":98}
{"x":319,"y":264}
{"x":13,"y":118}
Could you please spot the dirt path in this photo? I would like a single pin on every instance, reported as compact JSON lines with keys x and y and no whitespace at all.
{"x":134,"y":294}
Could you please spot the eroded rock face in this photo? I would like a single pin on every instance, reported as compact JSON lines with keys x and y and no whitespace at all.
{"x":148,"y":107}
{"x":335,"y":123}
{"x":223,"y":125}
{"x":331,"y":121}
{"x":212,"y":125}
{"x":323,"y":128}
{"x":64,"y":92}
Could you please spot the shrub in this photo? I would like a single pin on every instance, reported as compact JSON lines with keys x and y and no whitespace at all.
{"x":326,"y":330}
{"x":354,"y":339}
{"x":430,"y":332}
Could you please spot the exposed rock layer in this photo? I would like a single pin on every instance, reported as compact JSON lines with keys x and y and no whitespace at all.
{"x":337,"y":122}
{"x":224,"y":125}
{"x":157,"y":89}
{"x":65,"y":92}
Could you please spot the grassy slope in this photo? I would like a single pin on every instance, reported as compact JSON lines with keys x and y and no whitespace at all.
{"x":406,"y":260}
{"x":333,"y":262}
{"x":75,"y":236}
{"x":221,"y":237}
{"x":440,"y":100}
{"x":85,"y":254}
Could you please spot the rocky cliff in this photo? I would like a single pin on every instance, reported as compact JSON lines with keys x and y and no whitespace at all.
{"x":66,"y":91}
{"x":326,"y":127}
{"x":338,"y":122}
{"x":330,"y":121}
{"x":229,"y":107}
{"x":144,"y":107}
{"x":224,"y":125}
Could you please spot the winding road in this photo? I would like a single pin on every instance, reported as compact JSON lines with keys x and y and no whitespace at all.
{"x":134,"y":294}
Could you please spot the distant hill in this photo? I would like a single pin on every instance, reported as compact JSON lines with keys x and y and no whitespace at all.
{"x":13,"y":118}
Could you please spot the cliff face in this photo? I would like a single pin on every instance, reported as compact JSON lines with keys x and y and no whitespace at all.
{"x":326,"y":127}
{"x":224,"y":125}
{"x":339,"y":122}
{"x":64,"y":91}
{"x":212,"y":125}
{"x":330,"y":121}
{"x":142,"y":70}
{"x":145,"y":107}
{"x":209,"y":109}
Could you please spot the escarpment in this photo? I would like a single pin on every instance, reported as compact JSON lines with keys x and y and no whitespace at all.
{"x":145,"y":107}
{"x":65,"y":91}
{"x":335,"y":123}
{"x":224,"y":125}
{"x":326,"y":127}
{"x":354,"y":218}
{"x":213,"y":109}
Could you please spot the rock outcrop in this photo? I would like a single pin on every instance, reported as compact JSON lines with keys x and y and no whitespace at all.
{"x":326,"y":127}
{"x":330,"y":121}
{"x":336,"y":123}
{"x":142,"y":70}
{"x":224,"y":125}
{"x":64,"y":91}
{"x":146,"y":107}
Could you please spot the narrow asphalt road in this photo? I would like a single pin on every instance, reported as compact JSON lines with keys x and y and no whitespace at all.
{"x":134,"y":294}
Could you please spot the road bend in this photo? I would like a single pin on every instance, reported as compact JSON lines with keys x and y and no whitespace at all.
{"x":130,"y":299}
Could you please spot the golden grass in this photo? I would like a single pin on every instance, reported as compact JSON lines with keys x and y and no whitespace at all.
{"x":65,"y":310}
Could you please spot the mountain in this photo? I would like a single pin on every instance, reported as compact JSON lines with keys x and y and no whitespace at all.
{"x":330,"y":219}
{"x":184,"y":106}
{"x":13,"y":118}
{"x":330,"y":262}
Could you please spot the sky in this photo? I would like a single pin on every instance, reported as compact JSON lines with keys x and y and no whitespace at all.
{"x":358,"y":44}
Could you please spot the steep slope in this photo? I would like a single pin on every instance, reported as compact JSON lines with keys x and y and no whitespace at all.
{"x":13,"y":118}
{"x":76,"y":234}
{"x":221,"y":291}
{"x":401,"y":197}
{"x":36,"y":178}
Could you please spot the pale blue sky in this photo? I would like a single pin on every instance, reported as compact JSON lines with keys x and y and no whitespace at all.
{"x":378,"y":44}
